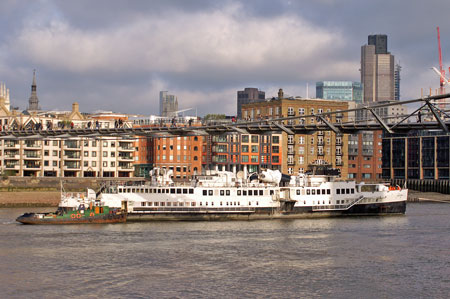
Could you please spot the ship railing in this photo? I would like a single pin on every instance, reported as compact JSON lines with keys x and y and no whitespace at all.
{"x":338,"y":207}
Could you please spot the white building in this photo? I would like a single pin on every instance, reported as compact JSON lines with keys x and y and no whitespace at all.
{"x":73,"y":157}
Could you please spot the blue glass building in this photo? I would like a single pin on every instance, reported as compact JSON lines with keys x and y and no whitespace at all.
{"x":340,"y":90}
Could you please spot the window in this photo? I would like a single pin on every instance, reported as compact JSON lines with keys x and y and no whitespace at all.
{"x":245,"y":138}
{"x":105,"y":154}
{"x":86,"y":153}
{"x":105,"y":164}
{"x":94,"y":154}
{"x":301,"y":140}
{"x":94,"y":164}
{"x":254,"y":148}
{"x":275,"y":139}
{"x":245,"y":148}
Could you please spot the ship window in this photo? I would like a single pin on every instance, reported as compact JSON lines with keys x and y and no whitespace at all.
{"x":191,"y":191}
{"x":314,"y":202}
{"x":244,"y":192}
{"x":303,"y":191}
{"x":271,"y":192}
{"x":338,"y":191}
{"x":329,"y":202}
{"x":227,"y":203}
{"x":150,"y":203}
{"x":156,"y":203}
{"x":175,"y":204}
{"x":172,"y":190}
{"x":169,"y":204}
{"x":142,"y":204}
{"x":234,"y":203}
{"x":308,"y":191}
{"x":298,"y":191}
{"x":220,"y":203}
{"x":159,"y":191}
{"x":200,"y":203}
{"x":178,"y":191}
{"x":304,"y":202}
{"x":163,"y":204}
{"x":348,"y":191}
{"x":212,"y":203}
{"x":353,"y":190}
{"x":249,"y":203}
{"x":227,"y":193}
{"x":210,"y":193}
{"x":205,"y":192}
{"x":328,"y":191}
{"x":193,"y":204}
{"x":133,"y":190}
{"x":318,"y":192}
{"x":342,"y":191}
{"x":323,"y":191}
{"x":239,"y":192}
{"x":257,"y":203}
{"x":313,"y":191}
{"x":261,"y":192}
{"x":239,"y":203}
{"x":181,"y":204}
{"x":154,"y":191}
{"x":185,"y":191}
{"x":222,"y":192}
{"x":120,"y":190}
{"x":250,"y":192}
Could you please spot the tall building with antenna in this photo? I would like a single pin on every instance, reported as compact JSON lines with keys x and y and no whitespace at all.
{"x":33,"y":101}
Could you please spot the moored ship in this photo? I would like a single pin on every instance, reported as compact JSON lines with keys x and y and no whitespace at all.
{"x":270,"y":194}
{"x":77,"y":208}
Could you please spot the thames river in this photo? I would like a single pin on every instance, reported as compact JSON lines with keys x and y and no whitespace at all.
{"x":364,"y":257}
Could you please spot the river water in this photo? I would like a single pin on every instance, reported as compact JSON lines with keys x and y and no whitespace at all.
{"x":363,"y":257}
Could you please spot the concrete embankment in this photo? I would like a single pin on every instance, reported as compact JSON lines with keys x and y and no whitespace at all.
{"x":416,"y":196}
{"x":46,"y":192}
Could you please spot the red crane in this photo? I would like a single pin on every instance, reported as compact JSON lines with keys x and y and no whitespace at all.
{"x":441,"y":68}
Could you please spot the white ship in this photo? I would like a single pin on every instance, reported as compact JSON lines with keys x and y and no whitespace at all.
{"x":226,"y":195}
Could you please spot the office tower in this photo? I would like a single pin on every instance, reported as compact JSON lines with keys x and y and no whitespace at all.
{"x":377,"y":70}
{"x":339,"y":90}
{"x":168,"y":104}
{"x":246,"y":96}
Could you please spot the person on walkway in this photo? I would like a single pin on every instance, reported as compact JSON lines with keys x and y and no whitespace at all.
{"x":419,"y":116}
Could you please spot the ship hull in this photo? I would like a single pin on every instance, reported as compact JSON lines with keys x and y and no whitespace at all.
{"x":100,"y":219}
{"x":373,"y":209}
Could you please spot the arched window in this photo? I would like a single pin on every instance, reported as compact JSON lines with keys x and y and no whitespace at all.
{"x":195,"y":138}
{"x":195,"y":158}
{"x":195,"y":148}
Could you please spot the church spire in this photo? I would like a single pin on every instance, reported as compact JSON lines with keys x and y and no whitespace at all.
{"x":33,"y":102}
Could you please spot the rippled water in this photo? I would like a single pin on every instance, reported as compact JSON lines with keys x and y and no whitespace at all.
{"x":365,"y":257}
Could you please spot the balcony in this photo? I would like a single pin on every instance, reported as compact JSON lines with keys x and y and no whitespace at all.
{"x":31,"y":156}
{"x":72,"y":155}
{"x":291,"y":142}
{"x":125,"y":157}
{"x":72,"y":144}
{"x":10,"y":166}
{"x":126,"y":166}
{"x":32,"y":144}
{"x":11,"y":144}
{"x":69,"y":165}
{"x":126,"y":146}
{"x":32,"y":166}
{"x":339,"y":163}
{"x":291,"y":163}
{"x":320,"y":143}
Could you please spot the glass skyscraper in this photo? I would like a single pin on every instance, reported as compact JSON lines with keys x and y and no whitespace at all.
{"x":339,"y":90}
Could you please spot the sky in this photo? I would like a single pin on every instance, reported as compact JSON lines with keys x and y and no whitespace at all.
{"x":118,"y":55}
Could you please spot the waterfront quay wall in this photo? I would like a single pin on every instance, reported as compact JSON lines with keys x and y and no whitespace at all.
{"x":439,"y":186}
{"x":45,"y":191}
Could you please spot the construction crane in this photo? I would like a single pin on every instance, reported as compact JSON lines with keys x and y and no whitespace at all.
{"x":441,"y":68}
